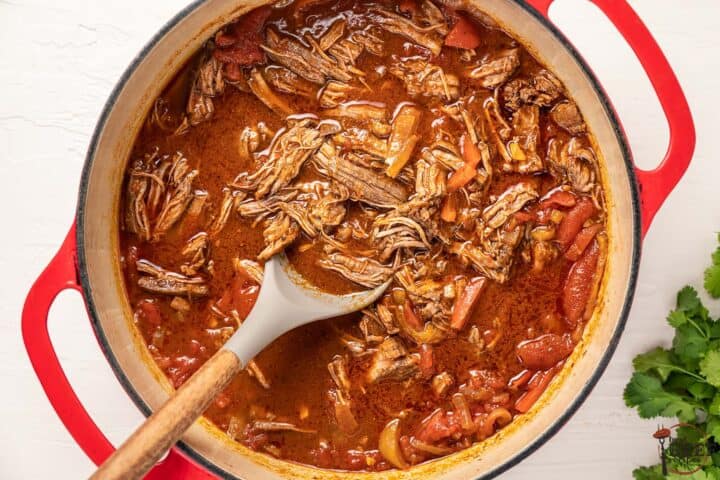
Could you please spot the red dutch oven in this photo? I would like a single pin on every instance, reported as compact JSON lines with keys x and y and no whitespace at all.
{"x":88,"y":259}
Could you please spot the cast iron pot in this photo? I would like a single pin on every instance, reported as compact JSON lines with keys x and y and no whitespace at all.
{"x":88,"y":259}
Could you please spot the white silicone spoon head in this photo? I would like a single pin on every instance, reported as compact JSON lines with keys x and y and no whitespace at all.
{"x":287,"y":301}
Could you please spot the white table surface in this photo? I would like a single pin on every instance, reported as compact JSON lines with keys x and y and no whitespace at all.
{"x":60,"y":59}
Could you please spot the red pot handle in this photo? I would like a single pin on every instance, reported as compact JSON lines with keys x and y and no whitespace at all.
{"x":61,"y":274}
{"x":655,"y":185}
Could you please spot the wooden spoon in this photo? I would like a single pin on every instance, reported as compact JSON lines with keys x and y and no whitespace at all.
{"x":285,"y":301}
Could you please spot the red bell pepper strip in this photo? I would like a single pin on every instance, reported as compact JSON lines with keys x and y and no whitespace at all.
{"x":464,"y":34}
{"x":466,"y":301}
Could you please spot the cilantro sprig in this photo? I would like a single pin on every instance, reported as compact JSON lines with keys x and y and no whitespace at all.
{"x":684,"y":380}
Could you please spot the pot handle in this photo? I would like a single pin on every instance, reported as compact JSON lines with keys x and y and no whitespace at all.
{"x":59,"y":275}
{"x":655,"y":185}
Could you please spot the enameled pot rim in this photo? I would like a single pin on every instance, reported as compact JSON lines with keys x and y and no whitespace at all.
{"x":519,"y":456}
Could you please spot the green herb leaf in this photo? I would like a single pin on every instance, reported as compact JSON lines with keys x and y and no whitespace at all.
{"x":646,"y":393}
{"x":712,"y":281}
{"x":648,"y":473}
{"x":658,"y":361}
{"x":712,"y":427}
{"x":677,"y":382}
{"x":712,"y":274}
{"x":714,"y":409}
{"x":689,"y":345}
{"x":710,"y":367}
{"x":704,"y":474}
{"x":713,"y":472}
{"x":677,"y":318}
{"x":690,"y":434}
{"x":701,"y":390}
{"x":685,"y":380}
{"x":689,"y":302}
{"x":716,"y":253}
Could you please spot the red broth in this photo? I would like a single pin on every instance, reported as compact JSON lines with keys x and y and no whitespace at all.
{"x":367,"y":140}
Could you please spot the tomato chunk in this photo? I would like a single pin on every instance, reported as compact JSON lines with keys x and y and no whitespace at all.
{"x":448,"y":211}
{"x":254,"y":438}
{"x":240,"y":296}
{"x":464,"y":34}
{"x":537,"y":385}
{"x":465,"y":302}
{"x":222,"y":400}
{"x":582,"y":240}
{"x":558,"y":198}
{"x":438,"y":426}
{"x":578,"y":284}
{"x":463,"y":175}
{"x":302,"y":6}
{"x":520,"y":380}
{"x":523,"y":217}
{"x":544,"y":351}
{"x":409,"y":7}
{"x":427,"y":360}
{"x":240,"y":44}
{"x":583,"y":210}
{"x":411,"y":317}
{"x":150,"y":312}
{"x":181,"y":368}
{"x":361,"y":459}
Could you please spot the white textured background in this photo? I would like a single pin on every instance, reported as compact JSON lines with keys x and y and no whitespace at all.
{"x":60,"y":59}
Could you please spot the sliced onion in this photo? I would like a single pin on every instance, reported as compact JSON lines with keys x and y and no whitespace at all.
{"x":343,"y":412}
{"x":462,"y":409}
{"x":235,"y":427}
{"x":556,"y":216}
{"x":269,"y":426}
{"x":543,"y":233}
{"x":389,"y":444}
{"x":516,"y":152}
{"x":428,"y":448}
{"x":430,"y":334}
{"x":500,"y":416}
{"x":180,"y":304}
{"x":398,"y":296}
{"x":273,"y":450}
{"x":345,"y":418}
{"x":254,"y":370}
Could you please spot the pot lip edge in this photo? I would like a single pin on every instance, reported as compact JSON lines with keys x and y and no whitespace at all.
{"x":540,"y":439}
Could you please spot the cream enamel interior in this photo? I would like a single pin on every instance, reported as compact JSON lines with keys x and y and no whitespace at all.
{"x":99,"y":241}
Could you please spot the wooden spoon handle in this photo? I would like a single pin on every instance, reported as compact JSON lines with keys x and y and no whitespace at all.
{"x":165,"y":427}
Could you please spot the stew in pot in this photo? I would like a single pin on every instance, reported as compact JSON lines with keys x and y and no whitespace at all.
{"x":368,"y":140}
